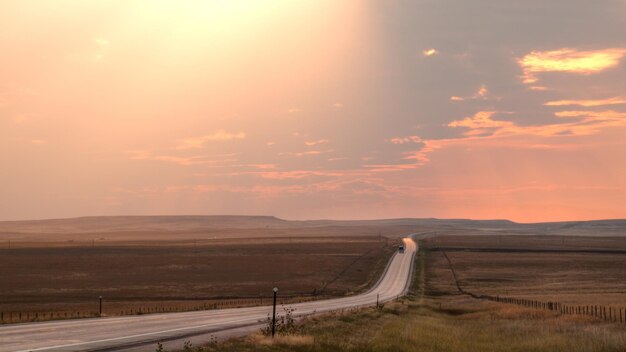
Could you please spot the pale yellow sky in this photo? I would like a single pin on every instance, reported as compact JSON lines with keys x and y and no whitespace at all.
{"x":313,"y":109}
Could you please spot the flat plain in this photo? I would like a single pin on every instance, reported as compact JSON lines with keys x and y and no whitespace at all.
{"x":164,"y":275}
{"x":152,"y":264}
{"x":581,"y":270}
{"x":56,"y":269}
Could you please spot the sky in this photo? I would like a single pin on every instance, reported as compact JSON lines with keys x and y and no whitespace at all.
{"x":484,"y":109}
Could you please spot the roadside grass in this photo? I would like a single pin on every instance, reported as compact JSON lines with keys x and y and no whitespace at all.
{"x":457,"y":325}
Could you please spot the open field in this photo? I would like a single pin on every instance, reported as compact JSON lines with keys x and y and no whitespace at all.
{"x":435,"y":317}
{"x":570,"y":270}
{"x":147,"y":264}
{"x":185,"y":275}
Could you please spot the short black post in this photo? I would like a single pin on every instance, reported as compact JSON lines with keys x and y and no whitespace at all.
{"x":274,"y":312}
{"x":377,"y":299}
{"x":100,"y":309}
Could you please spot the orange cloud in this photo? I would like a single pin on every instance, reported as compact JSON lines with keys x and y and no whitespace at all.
{"x":199,"y":142}
{"x":404,"y":140}
{"x":263,"y":166}
{"x":481,"y":93}
{"x":569,"y":60}
{"x":391,"y":167}
{"x":587,"y":103}
{"x":309,"y":152}
{"x":293,"y":174}
{"x":589,"y":122}
{"x":481,"y":123}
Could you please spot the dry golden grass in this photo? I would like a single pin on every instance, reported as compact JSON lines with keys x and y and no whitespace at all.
{"x":289,"y":340}
{"x":587,"y":270}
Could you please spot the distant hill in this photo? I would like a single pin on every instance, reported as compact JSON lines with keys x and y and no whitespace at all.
{"x":110,"y":224}
{"x":140,"y":223}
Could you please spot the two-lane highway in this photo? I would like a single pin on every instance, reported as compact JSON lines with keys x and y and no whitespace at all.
{"x":122,"y":333}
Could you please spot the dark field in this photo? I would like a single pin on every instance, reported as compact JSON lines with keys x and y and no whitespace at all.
{"x":183,"y":275}
{"x":570,"y":270}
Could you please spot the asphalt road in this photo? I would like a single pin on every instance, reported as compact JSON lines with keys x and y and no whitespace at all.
{"x":137,"y":333}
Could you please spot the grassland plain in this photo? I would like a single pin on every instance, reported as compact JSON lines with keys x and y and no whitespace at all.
{"x":155,"y":275}
{"x":436,"y":317}
{"x":569,"y":270}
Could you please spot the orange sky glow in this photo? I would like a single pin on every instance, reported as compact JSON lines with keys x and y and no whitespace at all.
{"x":313,"y":109}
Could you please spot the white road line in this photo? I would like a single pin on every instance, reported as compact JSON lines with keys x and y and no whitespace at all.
{"x":132,"y":336}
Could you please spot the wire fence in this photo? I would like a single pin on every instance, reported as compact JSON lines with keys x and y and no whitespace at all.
{"x":602,"y":312}
{"x":113,"y":308}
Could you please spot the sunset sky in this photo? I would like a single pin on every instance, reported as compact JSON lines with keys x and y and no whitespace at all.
{"x":313,"y":109}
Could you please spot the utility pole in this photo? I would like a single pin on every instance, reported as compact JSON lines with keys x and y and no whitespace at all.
{"x":274,"y":313}
{"x":100,"y":309}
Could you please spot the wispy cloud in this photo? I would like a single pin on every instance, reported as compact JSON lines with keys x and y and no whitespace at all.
{"x":481,"y":123}
{"x":217,"y":161}
{"x":102,"y":41}
{"x":199,"y":142}
{"x":481,"y":94}
{"x":391,"y":167}
{"x":294,"y":174}
{"x":405,"y":140}
{"x":430,"y":52}
{"x":317,"y":142}
{"x":569,"y":60}
{"x":585,"y":123}
{"x":308,"y":152}
{"x":588,"y":103}
{"x":263,"y":166}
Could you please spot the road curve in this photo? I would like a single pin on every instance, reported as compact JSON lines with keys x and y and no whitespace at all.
{"x":121,"y":333}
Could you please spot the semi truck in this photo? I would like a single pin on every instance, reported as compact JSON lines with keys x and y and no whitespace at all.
{"x":401,"y":248}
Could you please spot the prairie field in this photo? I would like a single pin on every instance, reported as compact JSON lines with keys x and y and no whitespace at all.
{"x":156,"y":275}
{"x":570,"y":270}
